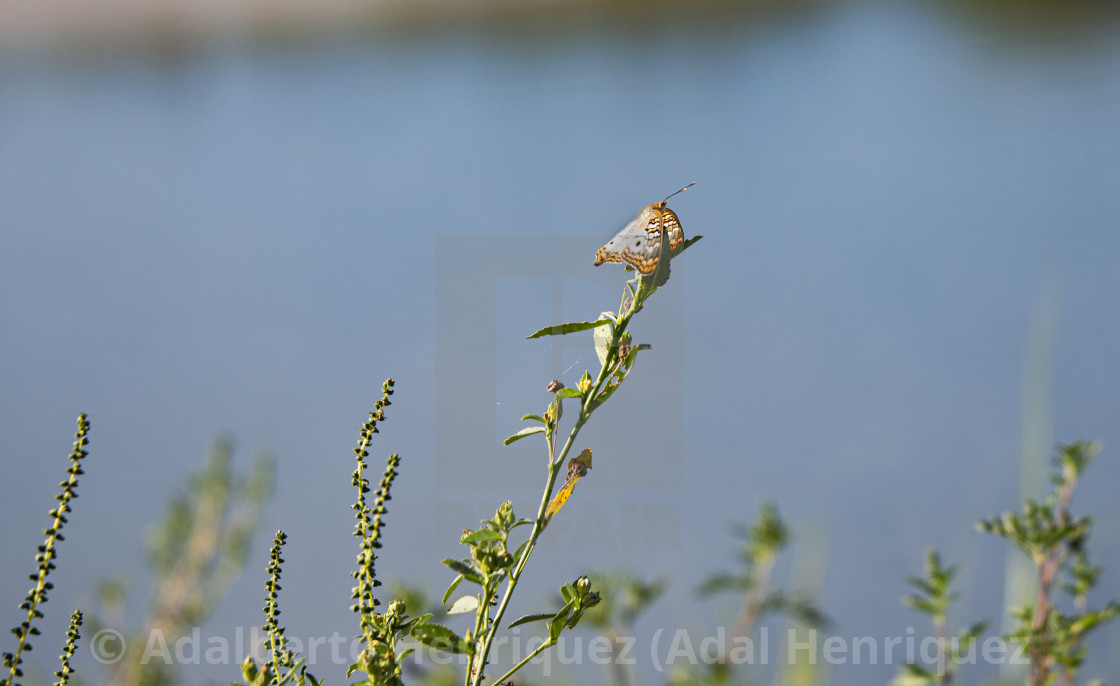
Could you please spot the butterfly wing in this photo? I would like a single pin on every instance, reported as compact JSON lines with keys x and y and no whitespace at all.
{"x":638,"y":244}
{"x":671,"y":225}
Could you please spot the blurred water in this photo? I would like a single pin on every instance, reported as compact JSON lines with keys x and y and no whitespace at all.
{"x":247,"y":239}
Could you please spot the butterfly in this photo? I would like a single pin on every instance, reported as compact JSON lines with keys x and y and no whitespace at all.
{"x":639,"y":243}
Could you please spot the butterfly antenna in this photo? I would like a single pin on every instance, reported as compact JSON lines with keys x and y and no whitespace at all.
{"x":680,"y":191}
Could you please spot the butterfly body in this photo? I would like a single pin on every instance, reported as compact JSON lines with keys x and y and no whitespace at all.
{"x":639,"y":243}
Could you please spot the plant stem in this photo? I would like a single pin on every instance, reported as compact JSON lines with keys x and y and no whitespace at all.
{"x":1048,"y":570}
{"x":536,"y":651}
{"x":940,"y":632}
{"x":752,"y":606}
{"x":621,"y":678}
{"x":474,"y":675}
{"x":480,"y":658}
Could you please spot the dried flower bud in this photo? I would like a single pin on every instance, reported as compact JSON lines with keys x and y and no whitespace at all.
{"x":554,"y":386}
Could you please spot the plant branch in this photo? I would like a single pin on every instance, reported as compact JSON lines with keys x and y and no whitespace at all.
{"x":480,"y":658}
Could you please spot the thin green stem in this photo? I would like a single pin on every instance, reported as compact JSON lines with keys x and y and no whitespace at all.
{"x":536,"y":651}
{"x":47,"y":552}
{"x":609,"y":363}
{"x":474,"y":675}
{"x":479,"y":659}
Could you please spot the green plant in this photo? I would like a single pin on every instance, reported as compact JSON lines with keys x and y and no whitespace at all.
{"x":1057,"y":544}
{"x":933,"y":598}
{"x":195,"y":553}
{"x":762,"y":542}
{"x":495,"y":564}
{"x":72,"y":635}
{"x":44,"y":559}
{"x":283,"y":666}
{"x":379,"y":659}
{"x":624,"y":597}
{"x":496,"y":567}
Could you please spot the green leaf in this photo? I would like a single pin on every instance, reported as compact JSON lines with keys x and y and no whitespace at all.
{"x":465,"y":569}
{"x":451,"y":589}
{"x":422,"y":619}
{"x":527,"y":431}
{"x":467,"y":603}
{"x":920,"y":604}
{"x":687,"y":244}
{"x":568,"y":393}
{"x":575,"y":327}
{"x":479,"y":536}
{"x":440,"y":637}
{"x":534,"y":417}
{"x":559,"y":620}
{"x":531,"y":618}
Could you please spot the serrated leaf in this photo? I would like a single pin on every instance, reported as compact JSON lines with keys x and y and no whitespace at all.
{"x":439,"y":637}
{"x":464,"y":604}
{"x":527,"y":431}
{"x":541,"y":616}
{"x":573,"y":327}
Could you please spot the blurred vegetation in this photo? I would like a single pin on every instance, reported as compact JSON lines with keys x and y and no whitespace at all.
{"x":176,"y":29}
{"x":195,"y":554}
{"x":200,"y":548}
